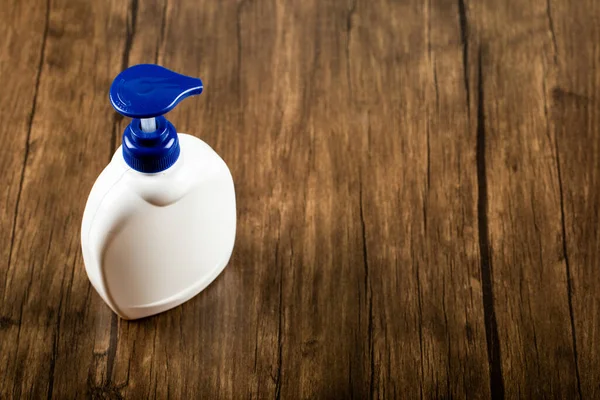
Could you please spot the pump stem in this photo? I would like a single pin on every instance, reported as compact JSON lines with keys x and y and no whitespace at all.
{"x":148,"y":124}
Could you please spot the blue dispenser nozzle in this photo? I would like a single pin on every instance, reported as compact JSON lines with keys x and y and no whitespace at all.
{"x":145,"y":92}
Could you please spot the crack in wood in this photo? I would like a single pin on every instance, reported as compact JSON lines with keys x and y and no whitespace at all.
{"x":552,"y":32}
{"x":238,"y":27}
{"x":55,"y":342}
{"x":280,"y":319}
{"x":464,"y":38}
{"x":568,"y":273}
{"x":419,"y":317}
{"x":27,"y":144}
{"x":130,"y":34}
{"x":349,"y":26}
{"x":368,"y":295}
{"x":491,"y":326}
{"x":163,"y":26}
{"x":112,"y":347}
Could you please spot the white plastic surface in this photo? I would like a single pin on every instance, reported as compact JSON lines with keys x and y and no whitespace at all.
{"x":153,"y":241}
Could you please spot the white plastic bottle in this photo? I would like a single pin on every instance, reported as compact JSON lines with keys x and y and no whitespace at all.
{"x":159,"y":224}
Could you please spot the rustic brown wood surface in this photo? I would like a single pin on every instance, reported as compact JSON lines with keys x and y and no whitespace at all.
{"x":418,"y":185}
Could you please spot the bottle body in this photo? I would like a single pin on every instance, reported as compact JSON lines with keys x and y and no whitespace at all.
{"x":152,"y":241}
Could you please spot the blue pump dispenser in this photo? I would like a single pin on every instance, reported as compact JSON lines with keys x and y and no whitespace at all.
{"x":145,"y":92}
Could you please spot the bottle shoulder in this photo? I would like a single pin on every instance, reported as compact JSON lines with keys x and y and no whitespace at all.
{"x":121,"y":191}
{"x":198,"y":164}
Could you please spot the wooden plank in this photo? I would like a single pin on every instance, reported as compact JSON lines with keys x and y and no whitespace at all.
{"x":22,"y":36}
{"x":573,"y":102}
{"x":411,"y":87}
{"x":62,"y":337}
{"x":532,"y":349}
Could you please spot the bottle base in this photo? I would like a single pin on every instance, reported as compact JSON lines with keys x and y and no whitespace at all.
{"x":147,"y":310}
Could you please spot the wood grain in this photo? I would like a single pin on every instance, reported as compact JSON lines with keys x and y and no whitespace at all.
{"x":417,"y":185}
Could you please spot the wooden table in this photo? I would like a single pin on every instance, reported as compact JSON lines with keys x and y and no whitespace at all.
{"x":418,"y":188}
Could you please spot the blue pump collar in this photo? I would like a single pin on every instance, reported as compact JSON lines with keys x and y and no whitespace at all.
{"x":150,"y":152}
